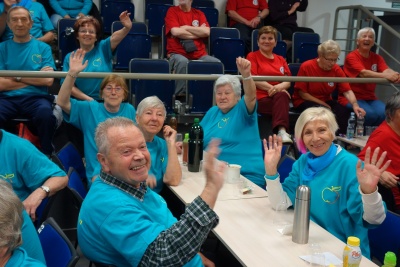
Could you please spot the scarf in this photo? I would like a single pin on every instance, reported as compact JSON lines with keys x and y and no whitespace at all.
{"x":316,"y":164}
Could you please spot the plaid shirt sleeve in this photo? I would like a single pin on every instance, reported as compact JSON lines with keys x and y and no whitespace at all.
{"x":178,"y":244}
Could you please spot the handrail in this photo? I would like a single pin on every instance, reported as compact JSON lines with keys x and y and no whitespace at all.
{"x":366,"y":10}
{"x":201,"y":77}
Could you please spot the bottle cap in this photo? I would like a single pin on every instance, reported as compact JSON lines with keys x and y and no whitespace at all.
{"x":196,"y":120}
{"x":353,"y":241}
{"x":390,"y":258}
{"x":186,"y":136}
{"x":303,"y":192}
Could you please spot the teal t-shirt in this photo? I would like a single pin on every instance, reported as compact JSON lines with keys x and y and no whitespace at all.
{"x":19,"y":257}
{"x":99,"y":60}
{"x":30,"y":239}
{"x":41,"y":22}
{"x":86,"y":115}
{"x":159,"y":159}
{"x":240,"y":139}
{"x":30,"y":56}
{"x":24,"y":166}
{"x":117,"y":230}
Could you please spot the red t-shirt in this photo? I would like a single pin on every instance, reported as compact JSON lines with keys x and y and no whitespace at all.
{"x":175,"y":18}
{"x":248,"y":9}
{"x":320,"y":90}
{"x":389,"y":141}
{"x":353,"y":65}
{"x":262,"y":66}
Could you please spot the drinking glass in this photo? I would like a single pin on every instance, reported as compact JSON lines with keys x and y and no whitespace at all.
{"x":317,"y":256}
{"x":282,"y":219}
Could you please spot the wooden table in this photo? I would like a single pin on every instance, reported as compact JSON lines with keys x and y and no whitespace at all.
{"x":356,"y":141}
{"x":247,"y":230}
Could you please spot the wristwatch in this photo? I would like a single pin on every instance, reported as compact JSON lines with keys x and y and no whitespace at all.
{"x":46,"y":189}
{"x":18,"y":79}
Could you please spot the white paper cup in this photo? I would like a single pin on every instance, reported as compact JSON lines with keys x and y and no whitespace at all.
{"x":232,"y":173}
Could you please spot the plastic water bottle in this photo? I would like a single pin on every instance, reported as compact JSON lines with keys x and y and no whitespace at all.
{"x":352,"y":252}
{"x":185,"y":148}
{"x":173,"y":122}
{"x":390,"y":260}
{"x":351,"y":126}
{"x":195,"y":146}
{"x":360,"y":126}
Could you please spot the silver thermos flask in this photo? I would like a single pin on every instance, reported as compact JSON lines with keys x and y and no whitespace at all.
{"x":301,"y":221}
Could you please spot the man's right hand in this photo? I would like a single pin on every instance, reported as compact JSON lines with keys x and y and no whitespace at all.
{"x":214,"y":169}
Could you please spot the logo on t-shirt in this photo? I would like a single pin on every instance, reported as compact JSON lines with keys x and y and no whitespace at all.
{"x":97,"y":62}
{"x":374,"y":67}
{"x":255,"y":2}
{"x":282,"y":70}
{"x":331,"y":84}
{"x":37,"y":58}
{"x":331,"y":194}
{"x":195,"y":23}
{"x":7,"y":176}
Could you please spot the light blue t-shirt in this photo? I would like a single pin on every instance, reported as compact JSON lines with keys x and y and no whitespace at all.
{"x":71,"y":7}
{"x":41,"y":22}
{"x":240,"y":139}
{"x":99,"y":60}
{"x":24,"y":166}
{"x":119,"y":229}
{"x":86,"y":115}
{"x":159,"y":159}
{"x":30,"y":56}
{"x":336,"y":203}
{"x":30,"y":239}
{"x":20,"y":258}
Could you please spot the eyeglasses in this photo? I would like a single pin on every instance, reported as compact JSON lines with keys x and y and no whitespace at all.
{"x":332,"y":60}
{"x":117,"y":89}
{"x":86,"y":31}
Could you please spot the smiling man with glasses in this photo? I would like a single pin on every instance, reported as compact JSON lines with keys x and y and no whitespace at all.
{"x":312,"y":94}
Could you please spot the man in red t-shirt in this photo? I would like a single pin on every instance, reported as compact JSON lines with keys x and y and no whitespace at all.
{"x":246,"y":15}
{"x":185,"y":29}
{"x":364,"y":63}
{"x":387,"y":138}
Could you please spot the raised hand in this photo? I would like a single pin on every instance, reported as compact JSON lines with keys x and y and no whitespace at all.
{"x":169,"y":134}
{"x":244,"y":66}
{"x":76,"y":61}
{"x":272,"y":154}
{"x":125,"y":19}
{"x":368,"y":177}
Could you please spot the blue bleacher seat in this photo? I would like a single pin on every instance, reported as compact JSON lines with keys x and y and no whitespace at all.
{"x":137,"y":27}
{"x":308,"y":51}
{"x":66,"y":39}
{"x":69,"y":157}
{"x":75,"y":182}
{"x":141,"y":88}
{"x":114,"y":8}
{"x":299,"y":38}
{"x":221,"y":32}
{"x":227,"y":50}
{"x":280,"y":48}
{"x":155,"y":15}
{"x":163,"y":53}
{"x":136,"y":45}
{"x":203,"y":3}
{"x":201,"y":92}
{"x":211,"y":14}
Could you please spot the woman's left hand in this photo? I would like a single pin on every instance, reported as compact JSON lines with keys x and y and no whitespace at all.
{"x":125,"y":19}
{"x":169,"y":134}
{"x":368,"y":177}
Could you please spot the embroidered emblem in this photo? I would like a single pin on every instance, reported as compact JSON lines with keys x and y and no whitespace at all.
{"x":255,"y":2}
{"x":37,"y":58}
{"x":331,"y":195}
{"x":8,"y":176}
{"x":162,"y":159}
{"x":97,"y":62}
{"x":282,"y":70}
{"x":331,"y":84}
{"x":374,"y":67}
{"x":223,"y":122}
{"x":195,"y":23}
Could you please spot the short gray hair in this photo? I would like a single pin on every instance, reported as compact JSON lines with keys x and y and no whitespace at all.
{"x":101,"y":133}
{"x":313,"y":114}
{"x":329,"y":47}
{"x":233,"y":81}
{"x":365,"y":30}
{"x":392,"y":105}
{"x":150,"y":102}
{"x":10,"y":218}
{"x":16,"y":8}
